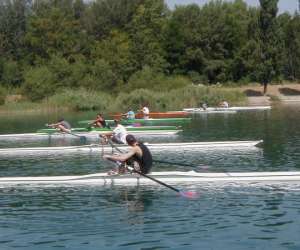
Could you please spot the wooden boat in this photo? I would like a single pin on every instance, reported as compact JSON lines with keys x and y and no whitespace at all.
{"x":167,"y":177}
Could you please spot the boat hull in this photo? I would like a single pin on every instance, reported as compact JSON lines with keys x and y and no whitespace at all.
{"x":167,"y":177}
{"x":151,"y":146}
{"x":170,"y":114}
{"x":146,"y":122}
{"x":227,"y":110}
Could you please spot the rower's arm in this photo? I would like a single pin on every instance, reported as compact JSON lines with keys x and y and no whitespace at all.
{"x":122,"y":157}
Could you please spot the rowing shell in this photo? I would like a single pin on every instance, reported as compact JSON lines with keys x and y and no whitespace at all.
{"x":226,"y":110}
{"x":207,"y":111}
{"x":92,"y":134}
{"x":168,"y":177}
{"x":154,"y":146}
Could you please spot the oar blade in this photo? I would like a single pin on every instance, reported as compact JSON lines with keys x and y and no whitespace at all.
{"x":189,"y":194}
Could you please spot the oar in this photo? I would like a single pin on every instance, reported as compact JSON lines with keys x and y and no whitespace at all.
{"x":186,"y":194}
{"x":180,"y":164}
{"x":160,"y":161}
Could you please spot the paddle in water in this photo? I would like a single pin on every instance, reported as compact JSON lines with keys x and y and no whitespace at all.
{"x":186,"y":194}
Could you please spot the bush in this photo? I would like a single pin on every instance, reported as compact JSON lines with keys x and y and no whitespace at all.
{"x":2,"y":95}
{"x":176,"y":99}
{"x":289,"y":91}
{"x":251,"y":92}
{"x":150,"y":79}
{"x":80,"y":100}
{"x":39,"y":83}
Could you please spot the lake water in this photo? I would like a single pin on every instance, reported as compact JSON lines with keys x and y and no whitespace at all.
{"x":224,"y":216}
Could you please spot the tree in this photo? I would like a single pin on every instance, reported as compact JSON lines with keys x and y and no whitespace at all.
{"x":268,"y":66}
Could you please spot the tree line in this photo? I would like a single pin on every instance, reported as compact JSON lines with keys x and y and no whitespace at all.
{"x":123,"y":45}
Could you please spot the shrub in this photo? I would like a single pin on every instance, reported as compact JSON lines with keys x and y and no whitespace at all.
{"x":289,"y":91}
{"x":39,"y":83}
{"x":2,"y":95}
{"x":80,"y":100}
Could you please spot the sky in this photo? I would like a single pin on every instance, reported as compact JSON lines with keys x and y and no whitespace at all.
{"x":284,"y":5}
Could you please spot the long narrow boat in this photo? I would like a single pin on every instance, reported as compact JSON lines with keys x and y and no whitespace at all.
{"x":152,"y":146}
{"x":169,"y":114}
{"x":103,"y":130}
{"x":227,"y":110}
{"x":94,"y":133}
{"x":167,"y":177}
{"x":146,"y":122}
{"x":209,"y":111}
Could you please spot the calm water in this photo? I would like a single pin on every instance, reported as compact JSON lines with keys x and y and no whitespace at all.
{"x":231,"y":216}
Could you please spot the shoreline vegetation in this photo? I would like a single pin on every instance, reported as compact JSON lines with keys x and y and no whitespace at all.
{"x":84,"y":100}
{"x":109,"y":55}
{"x":189,"y":96}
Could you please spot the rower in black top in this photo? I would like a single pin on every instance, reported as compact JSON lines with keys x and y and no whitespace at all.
{"x":99,"y":122}
{"x":139,"y":157}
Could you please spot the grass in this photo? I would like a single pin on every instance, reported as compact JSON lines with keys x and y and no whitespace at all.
{"x":177,"y":99}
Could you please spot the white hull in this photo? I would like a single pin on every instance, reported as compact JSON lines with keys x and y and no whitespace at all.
{"x":93,"y":134}
{"x":167,"y":177}
{"x":226,"y":110}
{"x":209,"y":111}
{"x":152,"y":146}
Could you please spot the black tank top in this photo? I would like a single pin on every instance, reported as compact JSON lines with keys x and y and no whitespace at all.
{"x":103,"y":123}
{"x":145,"y":161}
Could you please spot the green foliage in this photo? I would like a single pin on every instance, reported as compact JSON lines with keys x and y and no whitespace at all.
{"x":80,"y":100}
{"x":177,"y":99}
{"x":39,"y":83}
{"x":147,"y":78}
{"x":2,"y":95}
{"x":268,"y":66}
{"x":121,"y":45}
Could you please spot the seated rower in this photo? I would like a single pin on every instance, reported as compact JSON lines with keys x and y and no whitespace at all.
{"x":145,"y":111}
{"x":204,"y":106}
{"x":99,"y":122}
{"x":224,"y":104}
{"x":130,"y":115}
{"x":139,"y":157}
{"x":61,"y":125}
{"x":118,"y":135}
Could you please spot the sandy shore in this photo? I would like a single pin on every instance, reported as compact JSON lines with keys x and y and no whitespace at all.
{"x":274,"y":94}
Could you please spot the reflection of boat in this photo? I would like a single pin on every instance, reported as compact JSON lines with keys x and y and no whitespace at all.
{"x":146,"y":122}
{"x":169,"y":114}
{"x":226,"y":110}
{"x":168,"y":177}
{"x":152,"y":146}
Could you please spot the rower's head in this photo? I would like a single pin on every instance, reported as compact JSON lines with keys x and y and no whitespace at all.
{"x":117,"y":122}
{"x":131,"y":140}
{"x":61,"y":119}
{"x":99,"y":115}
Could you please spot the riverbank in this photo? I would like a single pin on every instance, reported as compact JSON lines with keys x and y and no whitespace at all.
{"x":191,"y":96}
